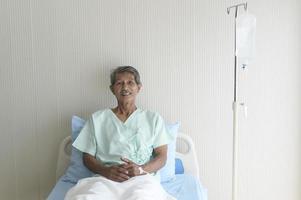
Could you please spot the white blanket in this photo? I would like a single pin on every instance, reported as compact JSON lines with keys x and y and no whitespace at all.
{"x":144,"y":187}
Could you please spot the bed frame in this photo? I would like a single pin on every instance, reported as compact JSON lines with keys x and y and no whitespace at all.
{"x":185,"y":151}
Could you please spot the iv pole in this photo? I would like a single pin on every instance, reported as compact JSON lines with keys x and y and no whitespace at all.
{"x":235,"y":107}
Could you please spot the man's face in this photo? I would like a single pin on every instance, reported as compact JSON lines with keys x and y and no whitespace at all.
{"x":125,"y":87}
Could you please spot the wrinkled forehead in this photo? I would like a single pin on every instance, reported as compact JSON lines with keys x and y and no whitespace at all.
{"x":124,"y":75}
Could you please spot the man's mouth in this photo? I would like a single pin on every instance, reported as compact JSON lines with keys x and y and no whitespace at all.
{"x":125,"y":93}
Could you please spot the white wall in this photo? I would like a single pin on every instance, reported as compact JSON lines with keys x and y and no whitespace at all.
{"x":55,"y":59}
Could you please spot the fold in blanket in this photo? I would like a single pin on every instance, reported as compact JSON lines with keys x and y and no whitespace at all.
{"x":144,"y":187}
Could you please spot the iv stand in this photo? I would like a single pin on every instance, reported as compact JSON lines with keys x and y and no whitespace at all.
{"x":235,"y":108}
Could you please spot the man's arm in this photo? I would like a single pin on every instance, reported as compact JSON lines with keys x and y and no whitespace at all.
{"x":159,"y":160}
{"x":116,"y":173}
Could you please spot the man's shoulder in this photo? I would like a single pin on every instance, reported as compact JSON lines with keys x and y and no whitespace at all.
{"x":100,"y":114}
{"x":150,"y":114}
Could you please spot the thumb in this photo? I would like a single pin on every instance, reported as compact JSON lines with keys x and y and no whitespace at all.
{"x":126,"y":160}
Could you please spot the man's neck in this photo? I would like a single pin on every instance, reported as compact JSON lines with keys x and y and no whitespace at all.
{"x":125,"y":110}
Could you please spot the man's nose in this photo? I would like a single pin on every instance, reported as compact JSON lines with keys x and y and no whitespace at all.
{"x":124,"y":85}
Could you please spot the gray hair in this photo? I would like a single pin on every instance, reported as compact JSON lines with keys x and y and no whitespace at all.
{"x":123,"y":69}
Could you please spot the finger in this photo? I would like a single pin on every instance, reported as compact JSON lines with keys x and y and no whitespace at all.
{"x":124,"y":165}
{"x":123,"y":170}
{"x":134,"y":171}
{"x":118,"y":174}
{"x":124,"y":176}
{"x":126,"y":169}
{"x":121,"y":177}
{"x":127,"y":166}
{"x":126,"y":160}
{"x":115,"y":178}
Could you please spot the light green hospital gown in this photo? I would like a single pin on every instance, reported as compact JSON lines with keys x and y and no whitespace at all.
{"x":108,"y":138}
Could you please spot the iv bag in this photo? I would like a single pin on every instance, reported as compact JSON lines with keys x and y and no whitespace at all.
{"x":245,"y":37}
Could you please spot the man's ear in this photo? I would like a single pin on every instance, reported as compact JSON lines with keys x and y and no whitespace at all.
{"x":111,"y":88}
{"x":139,"y":87}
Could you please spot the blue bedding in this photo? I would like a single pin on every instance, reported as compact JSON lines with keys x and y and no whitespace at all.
{"x":183,"y":187}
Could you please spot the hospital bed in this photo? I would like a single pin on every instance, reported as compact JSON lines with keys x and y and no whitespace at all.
{"x":184,"y":186}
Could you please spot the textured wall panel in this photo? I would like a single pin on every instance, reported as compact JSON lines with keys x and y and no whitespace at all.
{"x":56,"y":58}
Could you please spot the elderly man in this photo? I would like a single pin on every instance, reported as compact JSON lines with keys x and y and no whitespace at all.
{"x":124,"y":145}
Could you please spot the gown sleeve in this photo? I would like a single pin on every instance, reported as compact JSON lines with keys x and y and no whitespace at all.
{"x":86,"y":141}
{"x":161,"y":135}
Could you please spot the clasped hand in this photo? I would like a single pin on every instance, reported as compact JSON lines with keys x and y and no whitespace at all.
{"x":123,"y":172}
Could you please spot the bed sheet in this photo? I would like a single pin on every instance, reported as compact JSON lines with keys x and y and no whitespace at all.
{"x":183,"y":187}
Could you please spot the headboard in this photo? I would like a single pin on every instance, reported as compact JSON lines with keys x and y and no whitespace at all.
{"x":184,"y":150}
